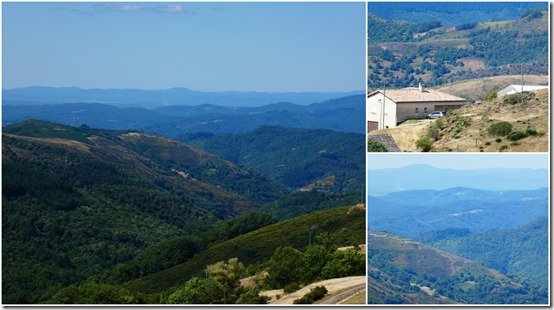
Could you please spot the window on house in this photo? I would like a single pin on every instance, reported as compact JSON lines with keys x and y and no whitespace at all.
{"x":425,"y":110}
{"x":417,"y":110}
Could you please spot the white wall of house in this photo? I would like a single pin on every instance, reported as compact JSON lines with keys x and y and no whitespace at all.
{"x":374,"y":106}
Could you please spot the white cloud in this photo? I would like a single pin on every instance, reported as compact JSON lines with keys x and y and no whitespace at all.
{"x":126,"y":8}
{"x":172,"y":8}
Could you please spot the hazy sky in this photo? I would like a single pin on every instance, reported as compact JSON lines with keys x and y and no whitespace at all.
{"x":458,"y":161}
{"x":202,"y":46}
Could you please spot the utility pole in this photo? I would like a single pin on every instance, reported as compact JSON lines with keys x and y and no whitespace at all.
{"x":521,"y":79}
{"x":382,"y":125}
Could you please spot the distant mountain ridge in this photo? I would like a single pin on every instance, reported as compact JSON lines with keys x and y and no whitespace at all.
{"x":383,"y":181}
{"x":156,"y":98}
{"x":413,"y":213}
{"x":345,"y":114}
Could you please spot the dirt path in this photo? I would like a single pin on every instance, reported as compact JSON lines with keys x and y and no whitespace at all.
{"x":333,"y":286}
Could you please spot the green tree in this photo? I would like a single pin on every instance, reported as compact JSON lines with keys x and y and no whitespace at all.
{"x":197,"y":291}
{"x":227,"y":275}
{"x":283,"y":267}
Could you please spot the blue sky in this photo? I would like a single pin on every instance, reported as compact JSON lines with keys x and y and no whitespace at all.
{"x":458,"y":161}
{"x":202,"y":46}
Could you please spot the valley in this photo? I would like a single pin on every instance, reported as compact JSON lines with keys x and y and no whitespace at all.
{"x":138,"y":214}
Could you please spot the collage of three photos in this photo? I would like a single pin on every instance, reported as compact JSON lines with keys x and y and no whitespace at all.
{"x":276,"y":153}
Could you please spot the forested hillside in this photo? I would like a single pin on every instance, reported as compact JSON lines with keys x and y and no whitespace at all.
{"x":429,"y":51}
{"x":402,"y":271}
{"x":504,"y":230}
{"x":521,"y":252}
{"x":82,"y":204}
{"x":296,"y":157}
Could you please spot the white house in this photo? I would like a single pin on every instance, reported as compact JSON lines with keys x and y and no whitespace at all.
{"x":387,"y":108}
{"x":518,"y":88}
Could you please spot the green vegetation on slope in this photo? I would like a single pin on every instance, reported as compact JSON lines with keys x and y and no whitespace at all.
{"x":520,"y":252}
{"x":73,"y":210}
{"x":294,"y":156}
{"x":339,"y":226}
{"x":404,"y":271}
{"x":404,"y":53}
{"x":300,"y":203}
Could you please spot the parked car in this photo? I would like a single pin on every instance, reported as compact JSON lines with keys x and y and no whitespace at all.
{"x":435,"y":114}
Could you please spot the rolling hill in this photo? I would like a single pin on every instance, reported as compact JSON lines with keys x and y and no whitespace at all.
{"x":295,"y":157}
{"x":78,"y":201}
{"x":521,"y":252}
{"x":431,"y":51}
{"x":402,"y":271}
{"x":341,"y":114}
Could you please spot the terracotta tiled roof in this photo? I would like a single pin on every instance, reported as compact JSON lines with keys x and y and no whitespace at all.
{"x":413,"y":94}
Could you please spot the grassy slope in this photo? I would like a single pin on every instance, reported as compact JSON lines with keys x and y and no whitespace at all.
{"x":533,"y":113}
{"x":346,"y":226}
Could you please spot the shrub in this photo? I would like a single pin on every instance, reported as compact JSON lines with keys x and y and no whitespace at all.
{"x":488,"y":143}
{"x":531,"y":131}
{"x":500,"y":128}
{"x":504,"y":147}
{"x":252,"y":296}
{"x":433,"y":132}
{"x":498,"y":140}
{"x":439,"y":123}
{"x":374,"y":146}
{"x":519,"y":98}
{"x":315,"y":294}
{"x":94,"y":293}
{"x":517,"y":135}
{"x":462,"y":121}
{"x":515,"y":143}
{"x":292,"y":287}
{"x":425,"y":144}
{"x":491,"y":94}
